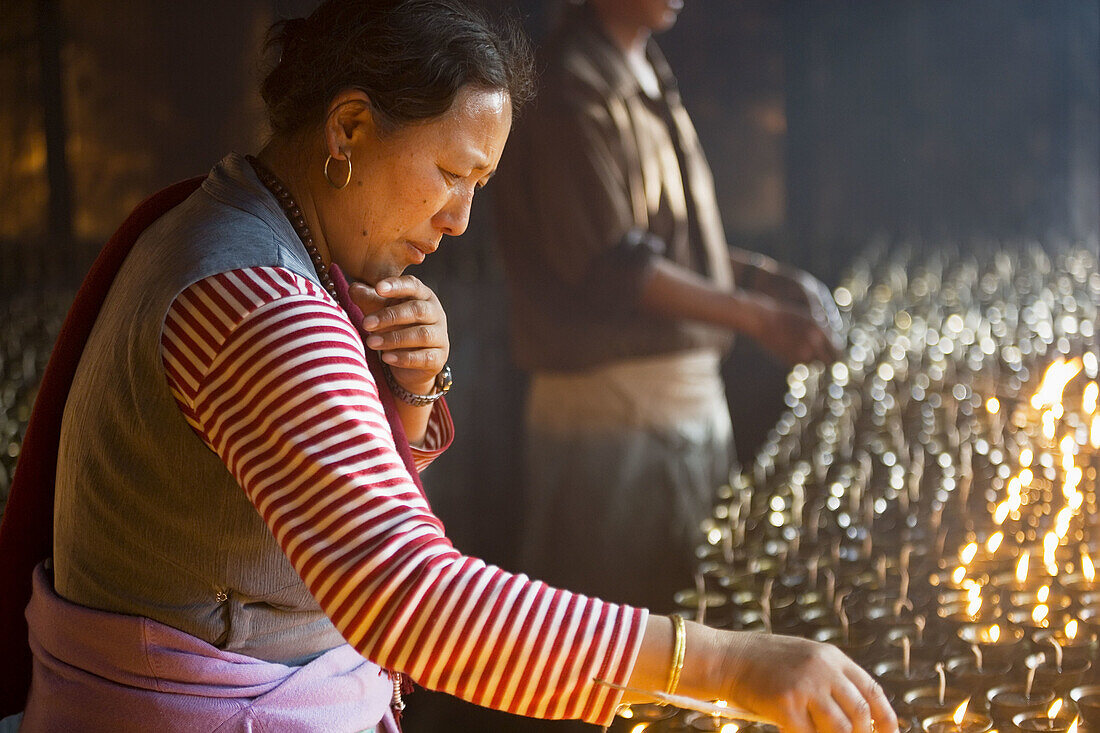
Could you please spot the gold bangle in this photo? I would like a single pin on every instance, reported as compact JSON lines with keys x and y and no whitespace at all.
{"x":678,"y":647}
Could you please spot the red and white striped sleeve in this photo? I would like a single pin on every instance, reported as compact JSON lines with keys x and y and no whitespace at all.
{"x":270,"y":372}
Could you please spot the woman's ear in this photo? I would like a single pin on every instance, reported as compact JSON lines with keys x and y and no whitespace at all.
{"x":349,"y":117}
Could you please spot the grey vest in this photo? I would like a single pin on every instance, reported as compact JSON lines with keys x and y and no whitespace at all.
{"x":148,"y":521}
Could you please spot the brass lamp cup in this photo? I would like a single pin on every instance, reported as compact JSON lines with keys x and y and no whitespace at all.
{"x":924,"y":702}
{"x":1078,"y":586}
{"x":1008,"y":700}
{"x":646,"y":712}
{"x":945,"y":723}
{"x":1023,"y":617}
{"x":1087,"y":700}
{"x":856,"y":646}
{"x":1029,"y":599}
{"x":744,"y":598}
{"x":749,"y":619}
{"x":704,"y":722}
{"x":1064,"y":678}
{"x":803,"y":619}
{"x":955,"y":616}
{"x":984,"y":564}
{"x":1081,"y":647}
{"x":891,"y":675}
{"x":944,"y":580}
{"x":1008,"y":583}
{"x":1088,"y":598}
{"x":963,"y":672}
{"x":1005,"y":649}
{"x":1089,"y":616}
{"x":1036,"y":721}
{"x":932,"y":646}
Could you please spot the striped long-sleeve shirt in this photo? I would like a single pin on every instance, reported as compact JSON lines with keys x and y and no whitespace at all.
{"x":271,"y":374}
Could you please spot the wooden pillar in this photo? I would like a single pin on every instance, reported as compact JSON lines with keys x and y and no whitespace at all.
{"x":50,"y":41}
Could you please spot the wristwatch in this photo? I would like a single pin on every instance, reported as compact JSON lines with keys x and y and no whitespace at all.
{"x":443,"y":382}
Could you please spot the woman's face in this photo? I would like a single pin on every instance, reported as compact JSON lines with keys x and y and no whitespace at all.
{"x":412,"y":186}
{"x":655,"y":15}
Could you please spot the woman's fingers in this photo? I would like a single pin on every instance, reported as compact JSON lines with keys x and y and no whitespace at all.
{"x":404,"y":313}
{"x":405,"y":322}
{"x":416,"y":336}
{"x":854,"y":704}
{"x":425,"y":360}
{"x":796,"y":720}
{"x":883,"y":718}
{"x":828,"y":717}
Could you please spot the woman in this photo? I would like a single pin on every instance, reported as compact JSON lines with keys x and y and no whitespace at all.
{"x":238,"y":516}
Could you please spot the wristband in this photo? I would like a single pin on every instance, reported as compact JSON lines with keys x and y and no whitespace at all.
{"x":443,"y":382}
{"x":679,"y":645}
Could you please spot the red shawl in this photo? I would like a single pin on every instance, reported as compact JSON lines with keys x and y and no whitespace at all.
{"x":26,"y":535}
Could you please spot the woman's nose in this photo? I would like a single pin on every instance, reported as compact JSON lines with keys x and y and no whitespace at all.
{"x":454,"y":217}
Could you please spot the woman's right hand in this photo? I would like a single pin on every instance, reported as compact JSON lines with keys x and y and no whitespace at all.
{"x":802,"y":685}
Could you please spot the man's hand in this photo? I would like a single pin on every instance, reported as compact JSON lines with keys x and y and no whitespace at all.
{"x":404,"y":321}
{"x":799,"y":288}
{"x":792,"y":334}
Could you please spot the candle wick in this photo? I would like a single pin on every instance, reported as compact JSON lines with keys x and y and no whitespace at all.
{"x":943,"y":682}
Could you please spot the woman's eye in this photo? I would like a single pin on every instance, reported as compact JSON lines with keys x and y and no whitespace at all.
{"x":452,"y":177}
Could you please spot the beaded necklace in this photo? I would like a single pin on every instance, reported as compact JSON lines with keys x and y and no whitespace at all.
{"x":297,"y":220}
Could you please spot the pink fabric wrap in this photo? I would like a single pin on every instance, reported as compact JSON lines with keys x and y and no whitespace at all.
{"x":95,"y":670}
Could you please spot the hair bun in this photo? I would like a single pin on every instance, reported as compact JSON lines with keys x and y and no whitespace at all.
{"x":292,"y":31}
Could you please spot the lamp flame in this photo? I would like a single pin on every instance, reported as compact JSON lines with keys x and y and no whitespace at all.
{"x":1074,"y":474}
{"x":1071,"y":629}
{"x":1039,"y":614}
{"x":993,"y":405}
{"x":1054,"y":709}
{"x":730,"y":728}
{"x":1089,"y":398}
{"x":1021,"y":568}
{"x":1087,"y":568}
{"x":968,"y":553}
{"x":973,"y":607}
{"x":1073,"y":726}
{"x":1094,"y":432}
{"x":1054,"y":382}
{"x":994,"y":542}
{"x":958,"y":575}
{"x":1026,"y":457}
{"x":993,"y":635}
{"x":960,"y":712}
{"x":1000,"y":514}
{"x":1068,"y":446}
{"x":1047,"y":420}
{"x":1043,"y":594}
{"x":1050,"y":545}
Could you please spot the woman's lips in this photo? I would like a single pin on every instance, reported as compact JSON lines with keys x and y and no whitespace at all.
{"x":420,"y":250}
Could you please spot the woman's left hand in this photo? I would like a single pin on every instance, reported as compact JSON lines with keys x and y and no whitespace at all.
{"x":404,"y":321}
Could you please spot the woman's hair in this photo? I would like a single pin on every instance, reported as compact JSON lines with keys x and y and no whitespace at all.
{"x":410,"y":57}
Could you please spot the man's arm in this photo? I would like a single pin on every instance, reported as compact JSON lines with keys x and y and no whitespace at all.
{"x":786,"y":329}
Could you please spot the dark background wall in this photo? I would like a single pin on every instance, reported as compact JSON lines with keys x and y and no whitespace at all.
{"x":827,"y":123}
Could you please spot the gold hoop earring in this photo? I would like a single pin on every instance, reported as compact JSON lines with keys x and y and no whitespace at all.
{"x":332,"y":183}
